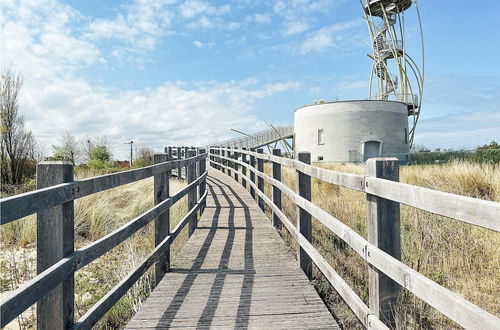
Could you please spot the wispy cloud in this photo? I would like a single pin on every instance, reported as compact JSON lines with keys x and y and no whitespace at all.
{"x":337,"y":35}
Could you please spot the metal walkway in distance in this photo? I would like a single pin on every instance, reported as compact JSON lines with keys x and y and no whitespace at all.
{"x":235,"y":272}
{"x":260,"y":139}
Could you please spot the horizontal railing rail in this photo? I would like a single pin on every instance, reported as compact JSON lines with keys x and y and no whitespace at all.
{"x":474,"y":211}
{"x":19,"y":206}
{"x":450,"y":304}
{"x":61,"y":271}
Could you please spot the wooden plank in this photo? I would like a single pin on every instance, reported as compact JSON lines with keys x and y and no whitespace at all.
{"x":55,"y":241}
{"x":304,"y":225}
{"x":474,"y":211}
{"x":234,"y":272}
{"x":161,"y":191}
{"x":383,"y":219}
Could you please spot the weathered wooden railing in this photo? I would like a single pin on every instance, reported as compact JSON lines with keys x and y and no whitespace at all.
{"x":57,"y":260}
{"x":386,"y":273}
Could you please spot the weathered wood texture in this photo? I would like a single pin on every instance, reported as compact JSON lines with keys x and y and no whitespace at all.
{"x":384,"y":232}
{"x":304,"y":226}
{"x":276,"y":169}
{"x":191,"y":177}
{"x":234,"y":272}
{"x":161,"y":192}
{"x":55,"y":240}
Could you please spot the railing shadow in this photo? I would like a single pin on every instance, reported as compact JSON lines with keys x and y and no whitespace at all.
{"x":222,"y":270}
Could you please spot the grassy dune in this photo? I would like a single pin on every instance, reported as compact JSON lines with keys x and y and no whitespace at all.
{"x":461,"y":257}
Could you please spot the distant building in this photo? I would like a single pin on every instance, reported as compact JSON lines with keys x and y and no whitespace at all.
{"x":122,"y":163}
{"x":352,"y":131}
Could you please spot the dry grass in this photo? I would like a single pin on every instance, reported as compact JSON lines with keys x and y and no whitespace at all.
{"x":461,"y":257}
{"x":95,"y":216}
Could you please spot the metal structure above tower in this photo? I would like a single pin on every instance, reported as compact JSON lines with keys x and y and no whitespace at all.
{"x":395,"y":75}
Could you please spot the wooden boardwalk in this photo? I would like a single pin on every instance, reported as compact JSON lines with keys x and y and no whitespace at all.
{"x":234,"y":272}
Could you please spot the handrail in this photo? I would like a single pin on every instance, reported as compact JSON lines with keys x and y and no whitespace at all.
{"x":18,"y":206}
{"x":471,"y":210}
{"x":32,"y":291}
{"x":450,"y":304}
{"x":105,"y":303}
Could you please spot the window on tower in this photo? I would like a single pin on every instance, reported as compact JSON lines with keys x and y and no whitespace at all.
{"x":321,"y":137}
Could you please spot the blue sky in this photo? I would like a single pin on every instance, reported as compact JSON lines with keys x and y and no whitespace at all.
{"x":168,"y":72}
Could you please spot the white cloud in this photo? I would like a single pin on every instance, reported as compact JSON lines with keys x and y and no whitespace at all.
{"x":199,"y":44}
{"x":41,"y":44}
{"x":295,"y":27}
{"x":192,"y":8}
{"x":262,"y":18}
{"x":336,"y":35}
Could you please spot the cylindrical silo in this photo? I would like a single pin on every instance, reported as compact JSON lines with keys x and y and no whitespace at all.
{"x":352,"y":131}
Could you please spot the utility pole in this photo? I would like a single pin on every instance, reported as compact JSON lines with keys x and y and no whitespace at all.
{"x":131,"y":143}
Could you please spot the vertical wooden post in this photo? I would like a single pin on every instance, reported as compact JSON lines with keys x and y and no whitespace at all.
{"x":303,"y":217}
{"x":235,"y":165}
{"x":223,"y":161}
{"x":179,"y":168}
{"x":162,"y":223}
{"x":243,"y":168}
{"x":383,"y":232}
{"x":252,"y":174}
{"x":260,"y":181}
{"x":229,"y":163}
{"x":186,"y":155}
{"x":276,"y":192}
{"x":201,"y":170}
{"x":55,"y":240}
{"x":191,"y":177}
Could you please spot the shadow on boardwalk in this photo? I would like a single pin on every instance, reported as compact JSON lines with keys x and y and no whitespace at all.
{"x":221,"y":272}
{"x":233,"y":273}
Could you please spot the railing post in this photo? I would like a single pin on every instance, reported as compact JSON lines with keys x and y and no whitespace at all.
{"x":235,"y":165}
{"x":186,"y":156}
{"x":223,"y":161}
{"x":243,"y":168}
{"x":303,"y":217}
{"x":191,"y":177}
{"x":252,"y":174}
{"x":276,"y":192}
{"x":179,"y":167}
{"x":229,"y":163}
{"x":162,"y":223}
{"x":260,"y":181}
{"x":383,"y":232}
{"x":55,"y":240}
{"x":201,"y":169}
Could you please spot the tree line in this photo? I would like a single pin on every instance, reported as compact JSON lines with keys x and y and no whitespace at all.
{"x":20,"y":152}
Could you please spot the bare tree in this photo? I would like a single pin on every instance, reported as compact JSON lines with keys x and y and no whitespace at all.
{"x":69,"y":150}
{"x":144,"y":156}
{"x":17,"y":145}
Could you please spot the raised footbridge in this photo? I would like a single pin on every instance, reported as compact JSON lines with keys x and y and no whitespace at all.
{"x":235,"y":271}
